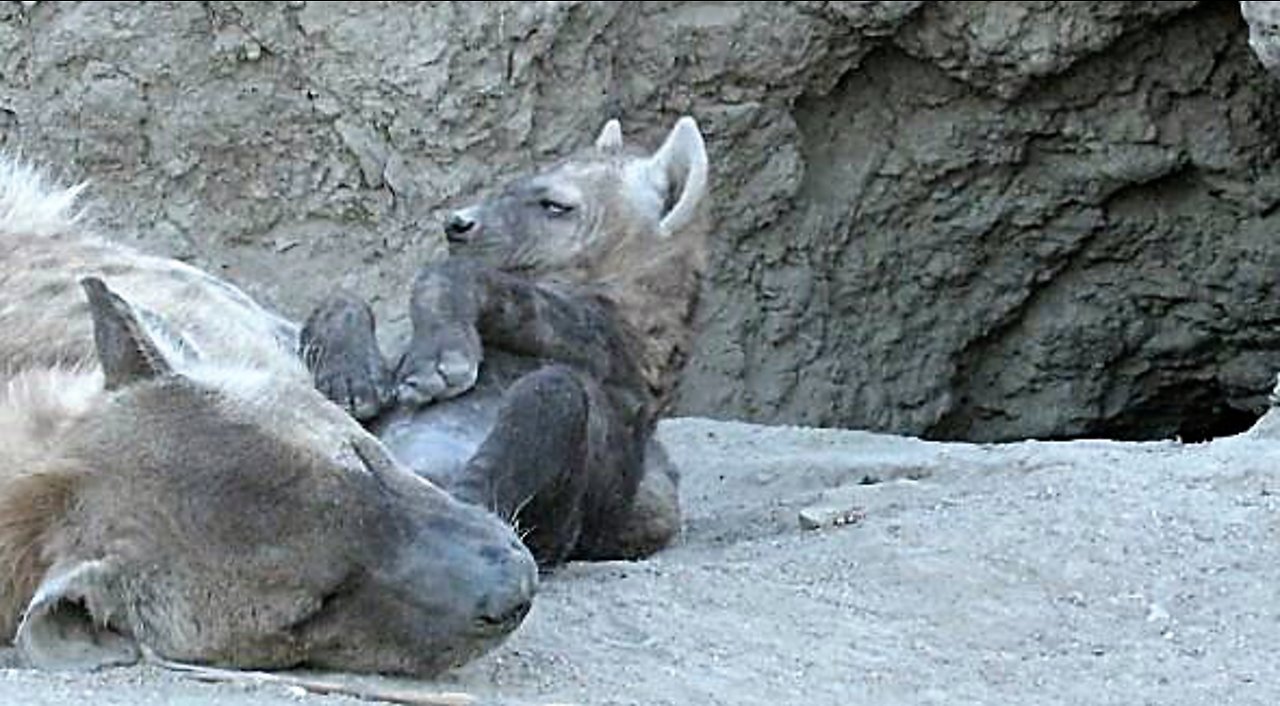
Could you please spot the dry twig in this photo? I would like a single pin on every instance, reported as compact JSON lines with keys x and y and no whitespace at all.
{"x":406,"y":697}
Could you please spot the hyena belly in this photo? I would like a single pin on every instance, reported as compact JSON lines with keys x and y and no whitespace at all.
{"x":438,"y":440}
{"x":538,"y":442}
{"x":554,"y":432}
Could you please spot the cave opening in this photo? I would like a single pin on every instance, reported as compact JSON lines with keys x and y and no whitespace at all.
{"x":1226,"y":422}
{"x":1191,"y":412}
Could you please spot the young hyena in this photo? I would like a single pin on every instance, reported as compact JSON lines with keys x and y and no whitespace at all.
{"x":545,"y":348}
{"x":171,"y":480}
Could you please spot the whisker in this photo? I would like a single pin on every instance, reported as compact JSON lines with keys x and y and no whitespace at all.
{"x":515,"y":514}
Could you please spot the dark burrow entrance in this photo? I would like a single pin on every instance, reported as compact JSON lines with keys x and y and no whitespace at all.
{"x":1227,"y":422}
{"x":1192,"y":412}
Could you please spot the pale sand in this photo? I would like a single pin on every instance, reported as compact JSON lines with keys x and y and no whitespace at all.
{"x":1028,"y":573}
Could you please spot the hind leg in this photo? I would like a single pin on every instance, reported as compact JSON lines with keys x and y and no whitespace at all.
{"x":652,"y":521}
{"x":532,"y":468}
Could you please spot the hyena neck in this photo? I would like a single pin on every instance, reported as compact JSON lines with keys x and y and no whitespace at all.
{"x":656,"y":302}
{"x":37,"y":409}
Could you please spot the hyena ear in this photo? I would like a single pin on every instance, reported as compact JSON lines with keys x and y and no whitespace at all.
{"x":127,"y":354}
{"x":70,"y":622}
{"x":680,"y":166}
{"x":610,"y":138}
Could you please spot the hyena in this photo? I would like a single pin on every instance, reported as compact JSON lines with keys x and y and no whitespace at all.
{"x":171,"y":480}
{"x":545,"y":348}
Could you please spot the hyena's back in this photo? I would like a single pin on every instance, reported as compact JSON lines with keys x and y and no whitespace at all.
{"x":45,"y":314}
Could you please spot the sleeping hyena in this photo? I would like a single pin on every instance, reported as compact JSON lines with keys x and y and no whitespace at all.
{"x":545,"y":348}
{"x":171,"y":480}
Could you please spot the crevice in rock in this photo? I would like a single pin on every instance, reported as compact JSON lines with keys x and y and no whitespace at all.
{"x":1190,"y":410}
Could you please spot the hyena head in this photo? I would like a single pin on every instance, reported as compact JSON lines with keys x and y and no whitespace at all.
{"x":594,"y":214}
{"x":230,"y":517}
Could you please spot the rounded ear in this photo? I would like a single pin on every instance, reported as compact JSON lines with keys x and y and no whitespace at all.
{"x":681,"y":164}
{"x":610,"y":138}
{"x":70,"y":621}
{"x":125,"y":351}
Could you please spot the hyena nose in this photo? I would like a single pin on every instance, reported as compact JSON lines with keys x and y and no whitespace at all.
{"x":458,"y":228}
{"x":512,"y":586}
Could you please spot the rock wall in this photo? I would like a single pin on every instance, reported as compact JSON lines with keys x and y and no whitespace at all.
{"x":958,"y":220}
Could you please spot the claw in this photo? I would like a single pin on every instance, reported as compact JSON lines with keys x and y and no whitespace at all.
{"x":439,"y":365}
{"x":456,"y":369}
{"x":418,"y":390}
{"x":339,"y":346}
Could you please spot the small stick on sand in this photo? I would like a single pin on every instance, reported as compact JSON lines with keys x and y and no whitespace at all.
{"x":315,"y":686}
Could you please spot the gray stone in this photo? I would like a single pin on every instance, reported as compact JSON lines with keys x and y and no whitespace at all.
{"x":824,"y":516}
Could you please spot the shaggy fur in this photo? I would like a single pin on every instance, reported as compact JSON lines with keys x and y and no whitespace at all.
{"x":583,"y":275}
{"x":48,"y":368}
{"x":170,"y":478}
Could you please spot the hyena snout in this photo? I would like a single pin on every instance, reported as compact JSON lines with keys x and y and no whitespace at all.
{"x":460,"y":227}
{"x":511,"y":591}
{"x":477,"y":570}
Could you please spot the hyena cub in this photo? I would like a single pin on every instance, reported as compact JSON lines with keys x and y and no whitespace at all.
{"x":545,"y":348}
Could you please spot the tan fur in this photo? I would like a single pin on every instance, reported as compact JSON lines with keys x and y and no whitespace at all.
{"x":36,"y":485}
{"x":47,"y":367}
{"x":30,"y":504}
{"x":655,"y":287}
{"x":49,"y":376}
{"x":58,"y":330}
{"x":168,"y":469}
{"x":654,"y":257}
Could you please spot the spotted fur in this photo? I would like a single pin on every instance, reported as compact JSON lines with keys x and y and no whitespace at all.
{"x":170,"y":478}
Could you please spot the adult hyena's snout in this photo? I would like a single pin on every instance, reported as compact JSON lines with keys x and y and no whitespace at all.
{"x":509,"y":591}
{"x":455,"y":583}
{"x":472,"y":566}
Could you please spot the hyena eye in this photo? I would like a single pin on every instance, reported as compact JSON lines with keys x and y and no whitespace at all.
{"x":554,"y":207}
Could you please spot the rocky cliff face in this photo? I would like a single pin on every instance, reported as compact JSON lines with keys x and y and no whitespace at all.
{"x":959,"y":220}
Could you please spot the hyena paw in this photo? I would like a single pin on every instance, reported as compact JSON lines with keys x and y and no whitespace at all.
{"x":340,"y":348}
{"x":439,"y":366}
{"x":362,"y":390}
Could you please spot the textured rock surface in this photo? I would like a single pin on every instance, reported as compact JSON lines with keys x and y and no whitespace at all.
{"x":962,"y":219}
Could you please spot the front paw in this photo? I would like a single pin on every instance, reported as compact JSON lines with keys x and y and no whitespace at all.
{"x":439,"y":365}
{"x":340,"y":347}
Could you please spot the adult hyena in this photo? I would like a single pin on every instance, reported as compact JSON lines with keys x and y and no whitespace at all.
{"x":545,"y":348}
{"x":170,"y":479}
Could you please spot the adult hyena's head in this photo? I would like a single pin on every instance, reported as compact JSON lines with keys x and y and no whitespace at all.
{"x":226,"y":516}
{"x":594,"y":214}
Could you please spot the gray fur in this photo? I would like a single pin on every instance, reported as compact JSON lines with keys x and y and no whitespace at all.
{"x":591,"y":266}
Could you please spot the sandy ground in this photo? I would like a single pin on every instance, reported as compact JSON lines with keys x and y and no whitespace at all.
{"x":1043,"y":573}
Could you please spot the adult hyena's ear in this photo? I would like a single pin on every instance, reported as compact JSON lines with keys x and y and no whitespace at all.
{"x":73,"y":621}
{"x":125,"y":350}
{"x":679,"y":167}
{"x":610,"y":138}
